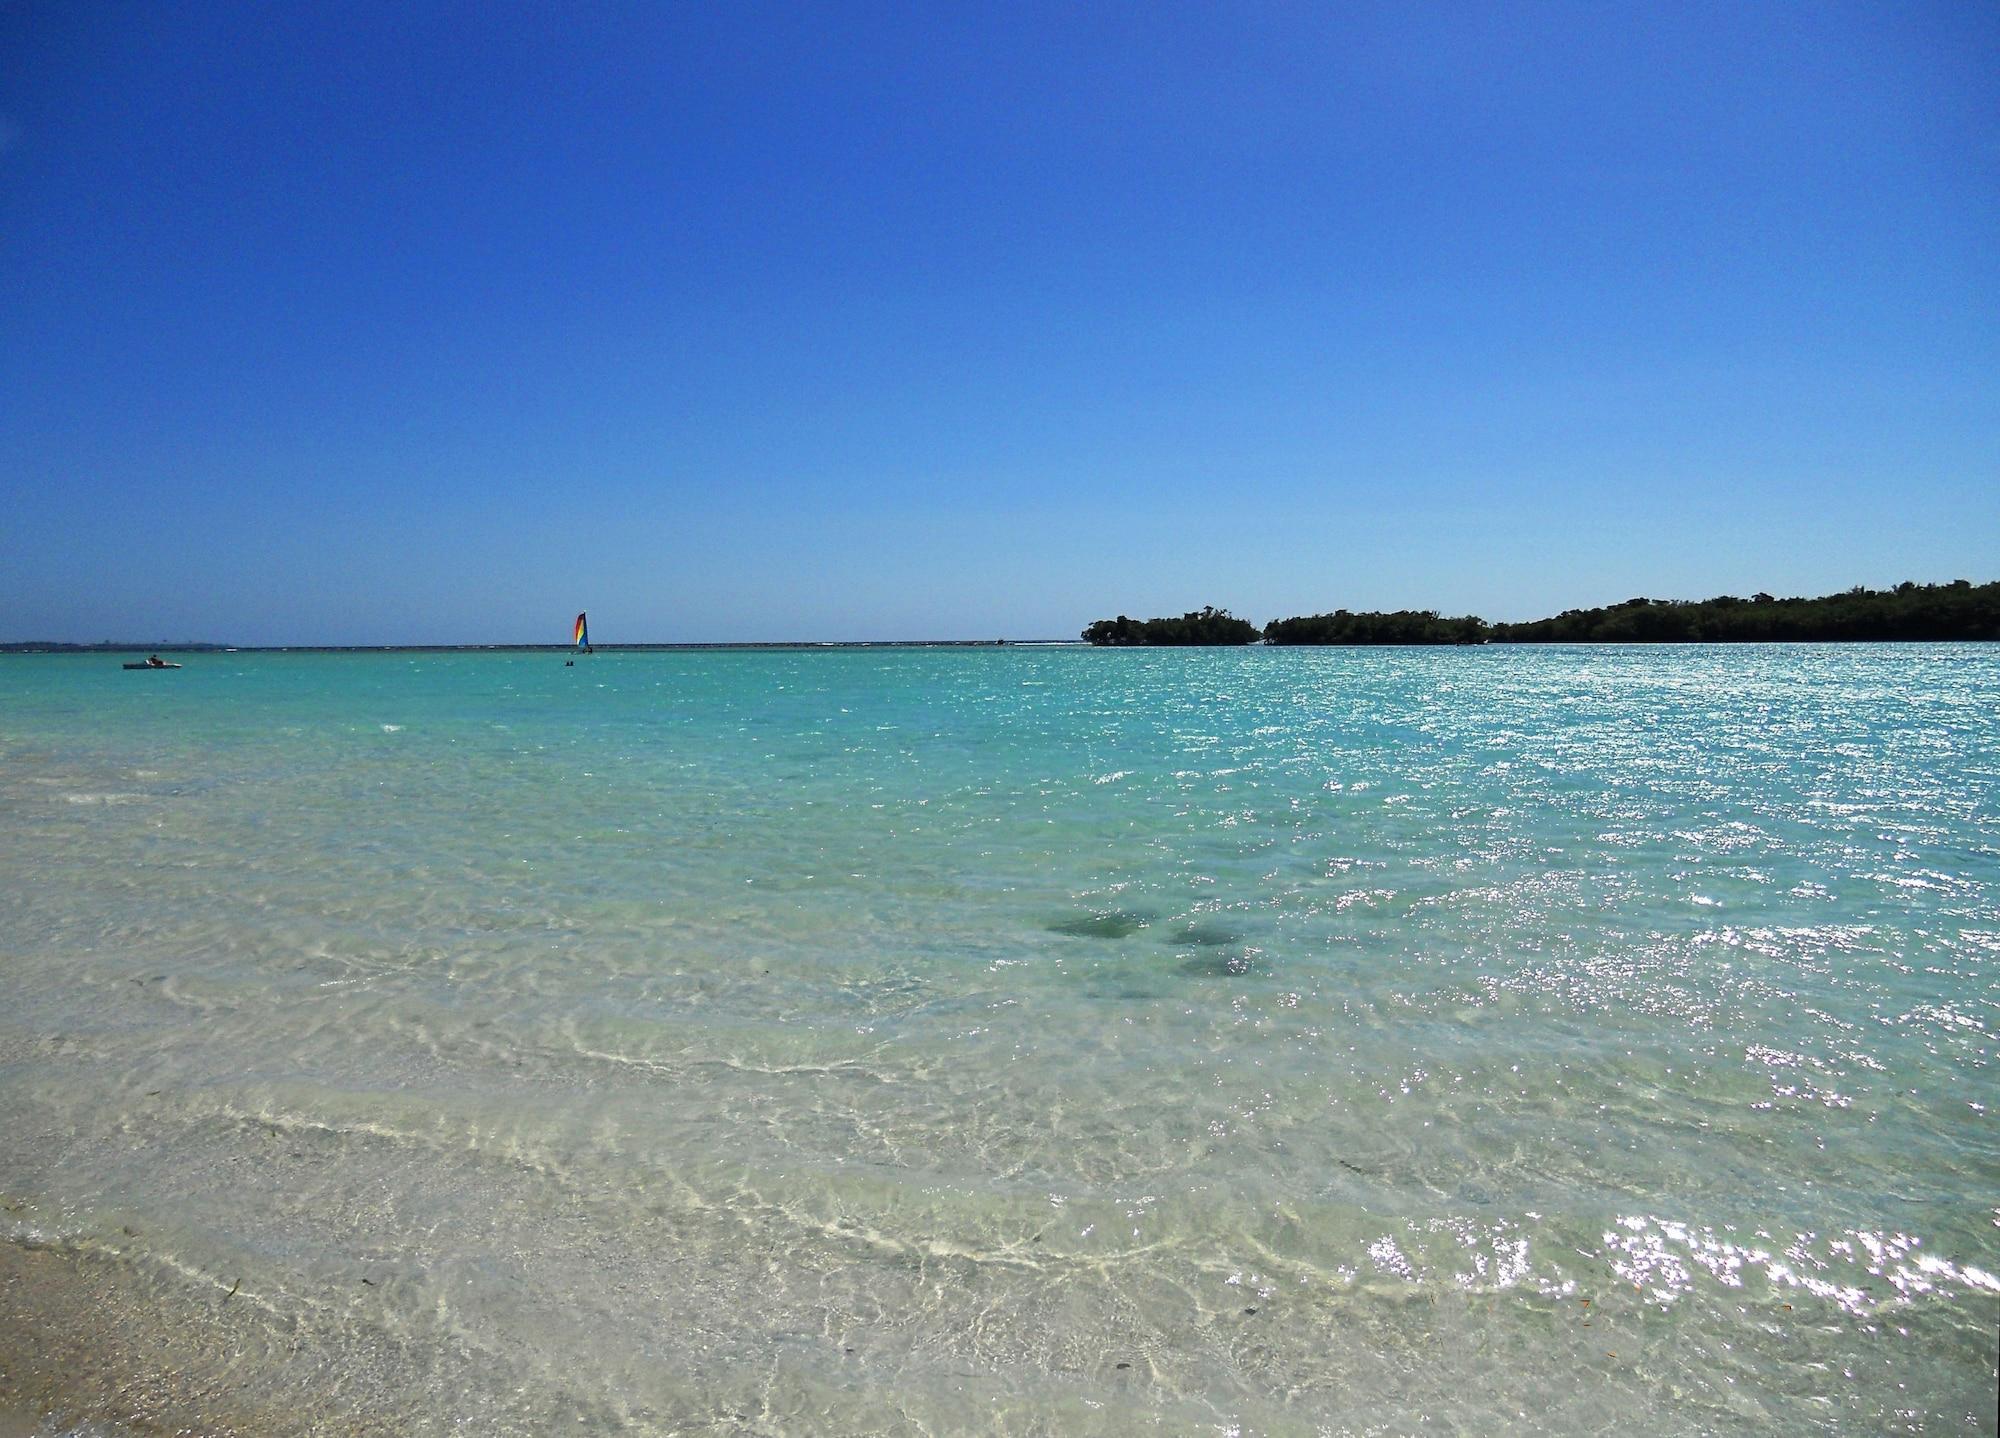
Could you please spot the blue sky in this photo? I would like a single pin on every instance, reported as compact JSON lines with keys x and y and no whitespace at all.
{"x":416,"y":323}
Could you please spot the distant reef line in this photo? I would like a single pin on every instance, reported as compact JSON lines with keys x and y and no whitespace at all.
{"x":1959,"y":610}
{"x":107,"y":646}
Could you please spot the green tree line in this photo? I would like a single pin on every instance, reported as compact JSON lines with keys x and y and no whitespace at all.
{"x":1910,"y":611}
{"x":1959,"y":610}
{"x":1404,"y":626}
{"x":1198,"y":626}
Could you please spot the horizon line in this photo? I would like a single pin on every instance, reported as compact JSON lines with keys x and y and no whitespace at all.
{"x":204,"y":646}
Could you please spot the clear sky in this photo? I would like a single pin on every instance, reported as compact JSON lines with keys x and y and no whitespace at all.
{"x":399,"y":322}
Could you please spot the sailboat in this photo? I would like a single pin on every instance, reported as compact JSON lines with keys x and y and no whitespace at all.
{"x":582,"y":638}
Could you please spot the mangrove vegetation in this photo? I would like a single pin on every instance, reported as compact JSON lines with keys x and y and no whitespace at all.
{"x":1404,"y":626}
{"x":1910,"y":611}
{"x":1208,"y":626}
{"x":1959,"y":610}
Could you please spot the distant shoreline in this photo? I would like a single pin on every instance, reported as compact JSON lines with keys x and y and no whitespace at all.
{"x":805,"y":646}
{"x":44,"y":647}
{"x":1909,"y":613}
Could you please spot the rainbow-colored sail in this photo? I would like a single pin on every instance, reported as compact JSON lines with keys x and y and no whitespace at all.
{"x":582,"y":633}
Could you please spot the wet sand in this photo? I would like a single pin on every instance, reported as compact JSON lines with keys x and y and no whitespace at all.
{"x":68,"y":1364}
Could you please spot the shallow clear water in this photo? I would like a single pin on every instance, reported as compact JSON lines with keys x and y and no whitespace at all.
{"x":1013,"y":1040}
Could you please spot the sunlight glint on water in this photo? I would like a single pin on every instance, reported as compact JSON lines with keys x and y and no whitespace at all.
{"x":1021,"y":1040}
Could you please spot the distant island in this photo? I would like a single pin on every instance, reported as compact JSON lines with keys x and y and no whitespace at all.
{"x":1403,"y":626}
{"x":1955,"y":611}
{"x":1197,"y":627}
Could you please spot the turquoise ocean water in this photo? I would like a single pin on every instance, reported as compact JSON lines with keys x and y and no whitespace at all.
{"x":1024,"y":1040}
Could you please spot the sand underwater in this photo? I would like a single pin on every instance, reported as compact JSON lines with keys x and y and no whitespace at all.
{"x":1002,"y":1041}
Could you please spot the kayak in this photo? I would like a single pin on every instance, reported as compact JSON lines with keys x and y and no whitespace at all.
{"x":144,"y":665}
